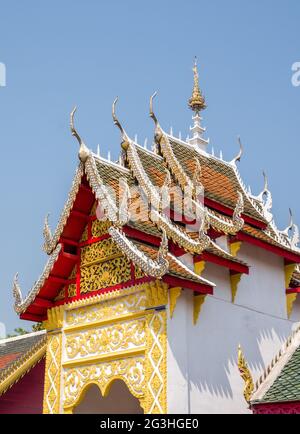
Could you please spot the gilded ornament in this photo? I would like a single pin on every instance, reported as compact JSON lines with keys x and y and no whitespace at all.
{"x":246,"y":375}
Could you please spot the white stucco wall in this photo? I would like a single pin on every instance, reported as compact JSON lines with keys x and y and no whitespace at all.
{"x":202,"y":360}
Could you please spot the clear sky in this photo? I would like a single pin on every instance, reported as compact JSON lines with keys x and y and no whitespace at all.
{"x":65,"y":52}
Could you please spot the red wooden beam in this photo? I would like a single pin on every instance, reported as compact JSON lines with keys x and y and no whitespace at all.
{"x":183,"y":283}
{"x":290,"y":256}
{"x":31,"y":317}
{"x":43,"y":303}
{"x":223,"y":262}
{"x":80,"y":215}
{"x":141,"y":236}
{"x":69,"y":241}
{"x":228,"y":211}
{"x":293,"y":291}
{"x":59,"y":280}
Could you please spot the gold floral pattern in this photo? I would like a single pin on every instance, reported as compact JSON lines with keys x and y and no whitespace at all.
{"x":107,"y":310}
{"x":118,"y":337}
{"x":131,"y":371}
{"x":100,"y":228}
{"x":72,"y":290}
{"x":104,"y":275}
{"x":99,"y":251}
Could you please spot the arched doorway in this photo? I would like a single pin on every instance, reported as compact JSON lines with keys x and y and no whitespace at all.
{"x":119,"y":401}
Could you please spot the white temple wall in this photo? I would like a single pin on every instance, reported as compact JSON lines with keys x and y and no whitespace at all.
{"x":203,"y":376}
{"x":264,"y":288}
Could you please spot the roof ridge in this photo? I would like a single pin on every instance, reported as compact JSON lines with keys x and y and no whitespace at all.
{"x":25,"y":336}
{"x":23,"y":363}
{"x":284,"y":355}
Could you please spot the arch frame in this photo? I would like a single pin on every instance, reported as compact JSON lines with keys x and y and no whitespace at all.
{"x":137,"y":316}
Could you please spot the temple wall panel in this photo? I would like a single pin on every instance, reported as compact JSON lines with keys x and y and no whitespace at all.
{"x":264,"y":288}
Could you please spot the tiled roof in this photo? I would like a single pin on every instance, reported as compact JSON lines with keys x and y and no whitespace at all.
{"x":18,"y":355}
{"x":219,"y":178}
{"x":286,"y":387}
{"x":281,"y":381}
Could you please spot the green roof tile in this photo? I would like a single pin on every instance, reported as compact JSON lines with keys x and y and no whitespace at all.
{"x":286,"y":387}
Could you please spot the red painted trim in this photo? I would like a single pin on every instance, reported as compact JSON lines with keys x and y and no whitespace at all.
{"x":182,"y":283}
{"x":68,"y":241}
{"x":293,"y":257}
{"x":176,"y":217}
{"x":233,"y":266}
{"x":78,"y":276}
{"x":31,"y":317}
{"x":228,"y":211}
{"x":94,"y":240}
{"x":293,"y":291}
{"x":106,"y":290}
{"x":42,"y":302}
{"x":58,"y":280}
{"x":141,"y":236}
{"x":80,"y":214}
{"x":277,"y":408}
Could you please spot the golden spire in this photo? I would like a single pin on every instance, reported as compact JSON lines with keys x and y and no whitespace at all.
{"x":197,"y":100}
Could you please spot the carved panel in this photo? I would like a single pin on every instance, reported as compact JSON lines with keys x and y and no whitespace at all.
{"x":51,"y":403}
{"x":131,"y":371}
{"x":100,"y":228}
{"x":99,"y":251}
{"x":106,"y":274}
{"x":106,"y":310}
{"x":106,"y":340}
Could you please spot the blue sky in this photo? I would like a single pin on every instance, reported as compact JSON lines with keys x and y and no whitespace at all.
{"x":62,"y":53}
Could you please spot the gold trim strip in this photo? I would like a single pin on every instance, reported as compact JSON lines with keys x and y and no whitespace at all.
{"x":105,"y":358}
{"x":112,"y":320}
{"x":109,"y":295}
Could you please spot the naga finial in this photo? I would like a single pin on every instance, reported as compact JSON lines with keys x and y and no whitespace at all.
{"x":152,"y":115}
{"x":290,"y":225}
{"x":17,"y":290}
{"x":266,"y":184}
{"x":158,"y":131}
{"x":124,"y":135}
{"x":245,"y":374}
{"x":84,"y":152}
{"x":197,"y":100}
{"x":239,"y":155}
{"x":47,"y":231}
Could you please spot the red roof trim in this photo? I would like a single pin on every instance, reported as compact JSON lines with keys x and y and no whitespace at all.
{"x":232,"y":266}
{"x":182,"y":283}
{"x":290,"y":256}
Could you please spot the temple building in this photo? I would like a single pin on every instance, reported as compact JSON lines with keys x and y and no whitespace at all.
{"x":168,"y":286}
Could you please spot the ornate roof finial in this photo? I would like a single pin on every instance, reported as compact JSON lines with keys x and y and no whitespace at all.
{"x":47,"y":232}
{"x":124,"y":135}
{"x":197,"y":100}
{"x":239,"y":155}
{"x":83,"y":150}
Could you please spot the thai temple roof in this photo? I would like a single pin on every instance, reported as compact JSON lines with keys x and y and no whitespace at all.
{"x":18,"y":355}
{"x":155,"y":241}
{"x":281,"y":380}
